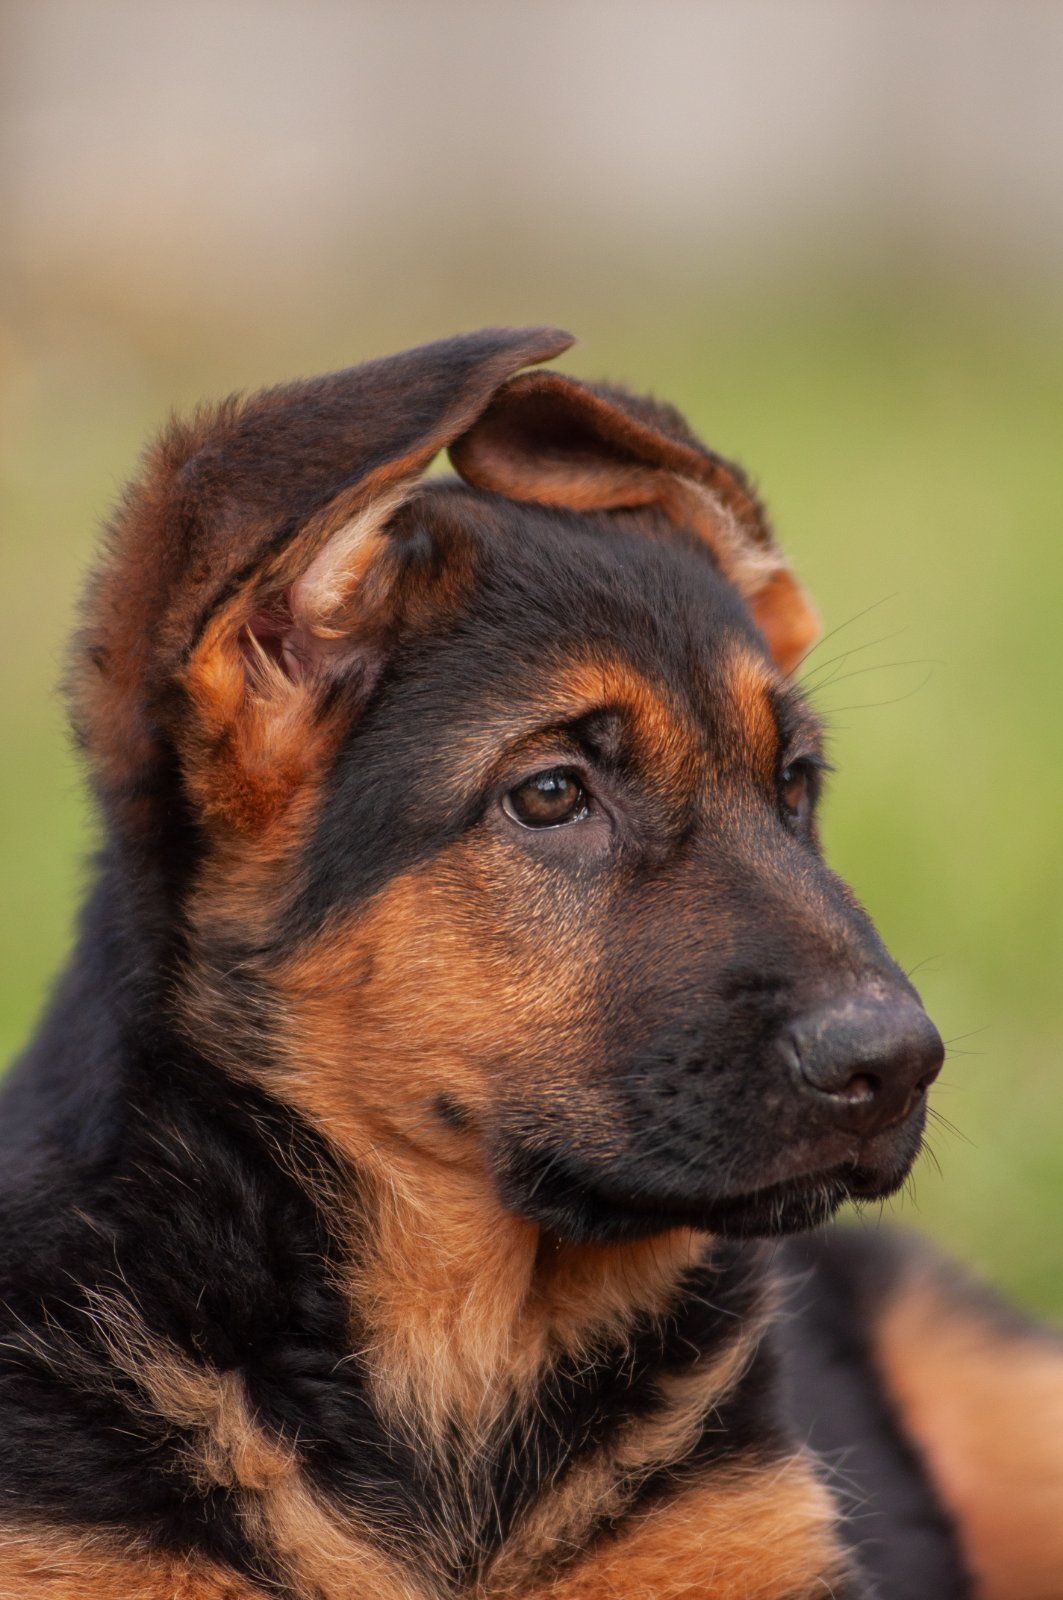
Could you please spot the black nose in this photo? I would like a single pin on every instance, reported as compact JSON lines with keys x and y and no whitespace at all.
{"x":865,"y":1062}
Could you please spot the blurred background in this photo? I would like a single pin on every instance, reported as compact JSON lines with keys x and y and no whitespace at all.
{"x":830,"y":230}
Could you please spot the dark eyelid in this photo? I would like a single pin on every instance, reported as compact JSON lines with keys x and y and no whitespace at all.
{"x":808,"y":758}
{"x":798,"y":728}
{"x":520,"y":766}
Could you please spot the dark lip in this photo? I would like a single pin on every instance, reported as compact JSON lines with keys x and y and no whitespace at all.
{"x":576,"y":1204}
{"x":712,"y":1213}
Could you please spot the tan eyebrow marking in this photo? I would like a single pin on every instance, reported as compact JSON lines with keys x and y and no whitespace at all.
{"x":665,"y":735}
{"x":750,"y":683}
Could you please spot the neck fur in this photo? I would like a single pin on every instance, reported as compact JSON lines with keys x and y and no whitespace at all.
{"x":461,"y":1307}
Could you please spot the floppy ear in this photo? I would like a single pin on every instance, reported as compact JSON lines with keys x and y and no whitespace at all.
{"x":552,"y":440}
{"x":249,"y":566}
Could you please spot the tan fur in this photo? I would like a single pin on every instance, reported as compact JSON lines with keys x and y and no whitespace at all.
{"x":428,"y":1004}
{"x":260,"y":744}
{"x":258,"y":740}
{"x":464,"y":1308}
{"x":748,"y":562}
{"x":749,"y":683}
{"x":786,"y":617}
{"x":601,"y":1487}
{"x":343,"y":567}
{"x":230,"y":1450}
{"x":986,"y":1408}
{"x":760,"y":1534}
{"x":777,"y":603}
{"x":252,"y":755}
{"x":45,"y":1564}
{"x":667,"y":743}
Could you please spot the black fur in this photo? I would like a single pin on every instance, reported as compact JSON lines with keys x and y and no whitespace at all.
{"x":836,"y":1402}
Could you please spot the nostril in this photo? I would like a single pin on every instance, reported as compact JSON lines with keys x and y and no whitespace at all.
{"x":860,"y":1090}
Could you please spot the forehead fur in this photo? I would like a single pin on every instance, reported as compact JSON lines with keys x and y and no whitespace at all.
{"x":546,"y":580}
{"x":561,"y":614}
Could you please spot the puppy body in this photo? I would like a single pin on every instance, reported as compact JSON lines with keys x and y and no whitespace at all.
{"x":461,"y":1002}
{"x":199,"y":1374}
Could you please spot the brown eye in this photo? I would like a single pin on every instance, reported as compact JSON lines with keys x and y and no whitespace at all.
{"x":547,"y":800}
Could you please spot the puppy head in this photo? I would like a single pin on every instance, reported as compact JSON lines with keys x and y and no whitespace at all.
{"x":492,"y":802}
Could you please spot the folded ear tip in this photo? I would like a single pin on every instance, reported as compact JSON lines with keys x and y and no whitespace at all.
{"x":511,"y":348}
{"x":544,"y":343}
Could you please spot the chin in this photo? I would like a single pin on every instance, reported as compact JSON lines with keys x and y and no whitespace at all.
{"x":799,"y":1204}
{"x":584,"y":1205}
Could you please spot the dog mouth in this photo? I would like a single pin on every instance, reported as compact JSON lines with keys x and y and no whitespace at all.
{"x":795,"y":1204}
{"x":561,"y":1193}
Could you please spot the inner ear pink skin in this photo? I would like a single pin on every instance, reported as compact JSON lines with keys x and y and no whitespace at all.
{"x":269,"y":633}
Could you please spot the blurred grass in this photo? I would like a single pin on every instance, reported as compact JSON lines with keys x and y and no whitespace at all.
{"x":909,"y":444}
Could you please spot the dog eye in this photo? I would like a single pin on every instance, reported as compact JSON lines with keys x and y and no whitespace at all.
{"x":795,"y":790}
{"x":547,"y":800}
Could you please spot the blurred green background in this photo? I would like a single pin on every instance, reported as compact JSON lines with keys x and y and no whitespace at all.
{"x":836,"y":246}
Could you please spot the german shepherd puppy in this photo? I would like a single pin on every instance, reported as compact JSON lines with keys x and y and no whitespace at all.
{"x":461,"y":1007}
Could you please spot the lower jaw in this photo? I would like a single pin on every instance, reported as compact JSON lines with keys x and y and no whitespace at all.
{"x":794,"y":1206}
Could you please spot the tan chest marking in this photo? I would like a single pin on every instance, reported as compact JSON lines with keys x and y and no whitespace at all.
{"x":601,"y":1487}
{"x":46,"y":1564}
{"x":759,"y":1534}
